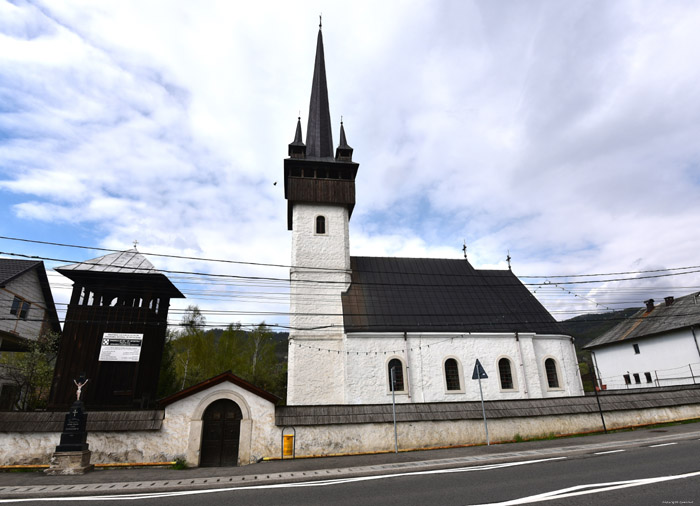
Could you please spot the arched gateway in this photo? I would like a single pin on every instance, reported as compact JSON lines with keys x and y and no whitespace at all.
{"x":221,"y":430}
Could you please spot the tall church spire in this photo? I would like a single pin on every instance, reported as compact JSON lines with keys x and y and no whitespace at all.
{"x":319,"y":137}
{"x":312,"y":175}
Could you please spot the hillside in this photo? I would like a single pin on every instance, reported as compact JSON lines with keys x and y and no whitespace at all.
{"x":587,"y":327}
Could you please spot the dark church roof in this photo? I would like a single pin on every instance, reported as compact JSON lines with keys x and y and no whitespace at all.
{"x":673,"y":314}
{"x":439,"y":295}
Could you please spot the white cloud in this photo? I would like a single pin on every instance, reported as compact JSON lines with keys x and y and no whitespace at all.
{"x":566,"y":134}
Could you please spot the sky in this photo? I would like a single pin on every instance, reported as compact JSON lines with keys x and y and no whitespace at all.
{"x":563,"y":133}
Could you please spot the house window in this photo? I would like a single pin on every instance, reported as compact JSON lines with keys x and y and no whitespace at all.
{"x":452,"y":374}
{"x":397,"y":366}
{"x":505,"y":373}
{"x":637,"y":380}
{"x":550,"y":367}
{"x":636,"y":349}
{"x":647,"y":375}
{"x":321,"y":225}
{"x":20,"y":308}
{"x":627,"y":379}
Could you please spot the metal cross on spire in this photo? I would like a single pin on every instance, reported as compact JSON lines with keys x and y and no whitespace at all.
{"x":464,"y":249}
{"x":508,"y":259}
{"x":320,"y":21}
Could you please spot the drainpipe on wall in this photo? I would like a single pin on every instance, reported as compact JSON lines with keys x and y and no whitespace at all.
{"x":695,"y":338}
{"x":408,"y":366}
{"x":522,"y":364}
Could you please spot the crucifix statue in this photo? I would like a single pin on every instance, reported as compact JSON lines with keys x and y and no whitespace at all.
{"x":80,"y":383}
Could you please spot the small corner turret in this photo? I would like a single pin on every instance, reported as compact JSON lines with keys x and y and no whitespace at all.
{"x":297,"y":148}
{"x":343,"y":153}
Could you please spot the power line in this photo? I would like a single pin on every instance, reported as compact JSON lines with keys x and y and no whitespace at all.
{"x":332,"y":282}
{"x":329,"y":269}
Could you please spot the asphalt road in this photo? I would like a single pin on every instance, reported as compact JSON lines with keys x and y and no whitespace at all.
{"x":630,"y":476}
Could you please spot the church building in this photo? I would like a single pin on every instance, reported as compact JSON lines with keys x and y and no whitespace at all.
{"x":366,"y":329}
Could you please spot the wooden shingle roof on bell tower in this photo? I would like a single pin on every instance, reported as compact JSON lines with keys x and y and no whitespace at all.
{"x":311,"y":173}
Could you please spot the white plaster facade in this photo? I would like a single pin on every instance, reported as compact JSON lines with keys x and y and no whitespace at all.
{"x":671,"y":358}
{"x":180,"y":435}
{"x":424,"y":355}
{"x":320,"y":274}
{"x":327,"y":366}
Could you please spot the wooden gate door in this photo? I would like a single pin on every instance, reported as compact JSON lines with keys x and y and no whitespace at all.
{"x":220,"y":434}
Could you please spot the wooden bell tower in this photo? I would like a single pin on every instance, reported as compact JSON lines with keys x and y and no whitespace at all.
{"x":114,"y":332}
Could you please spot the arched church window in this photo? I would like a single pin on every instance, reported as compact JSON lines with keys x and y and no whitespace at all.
{"x":397,"y":385}
{"x":321,"y":225}
{"x":452,"y":374}
{"x":505,"y":374}
{"x":550,"y":367}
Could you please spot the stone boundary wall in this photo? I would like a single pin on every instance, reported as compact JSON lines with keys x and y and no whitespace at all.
{"x":161,"y":436}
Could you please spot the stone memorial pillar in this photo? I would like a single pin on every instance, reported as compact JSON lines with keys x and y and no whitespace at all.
{"x":72,"y":455}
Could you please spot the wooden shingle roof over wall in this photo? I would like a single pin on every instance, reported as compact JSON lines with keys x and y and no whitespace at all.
{"x":444,"y":411}
{"x":97,"y":421}
{"x":439,"y":295}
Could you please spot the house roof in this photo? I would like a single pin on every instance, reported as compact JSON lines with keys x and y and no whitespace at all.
{"x":224,"y":376}
{"x":681,"y":313}
{"x":439,"y":295}
{"x":128,"y":263}
{"x":11,"y":269}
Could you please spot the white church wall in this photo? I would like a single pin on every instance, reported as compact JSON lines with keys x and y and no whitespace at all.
{"x":320,"y":273}
{"x":667,"y":358}
{"x":424,"y":355}
{"x":562,"y":350}
{"x":316,"y":370}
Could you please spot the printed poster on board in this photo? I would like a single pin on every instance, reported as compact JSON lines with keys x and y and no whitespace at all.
{"x":117,"y":347}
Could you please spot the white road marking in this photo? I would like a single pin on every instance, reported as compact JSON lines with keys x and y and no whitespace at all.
{"x":664,"y":444}
{"x":156,"y":495}
{"x":610,"y":451}
{"x":580,"y":489}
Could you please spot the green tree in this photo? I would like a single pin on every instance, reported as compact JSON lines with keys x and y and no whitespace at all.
{"x":167,"y":378}
{"x":263,"y":368}
{"x":29,"y":373}
{"x":193,"y":354}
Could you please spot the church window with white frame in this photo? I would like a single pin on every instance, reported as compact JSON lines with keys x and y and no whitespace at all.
{"x":551,"y":368}
{"x":398,"y":385}
{"x":505,"y":374}
{"x":453,"y":375}
{"x":320,"y":225}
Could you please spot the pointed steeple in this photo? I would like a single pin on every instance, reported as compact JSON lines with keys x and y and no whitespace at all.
{"x":319,"y":137}
{"x":343,"y":152}
{"x":312,"y":175}
{"x":297,"y":148}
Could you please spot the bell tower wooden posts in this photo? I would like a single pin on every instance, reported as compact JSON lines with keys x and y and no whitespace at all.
{"x":114,"y":332}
